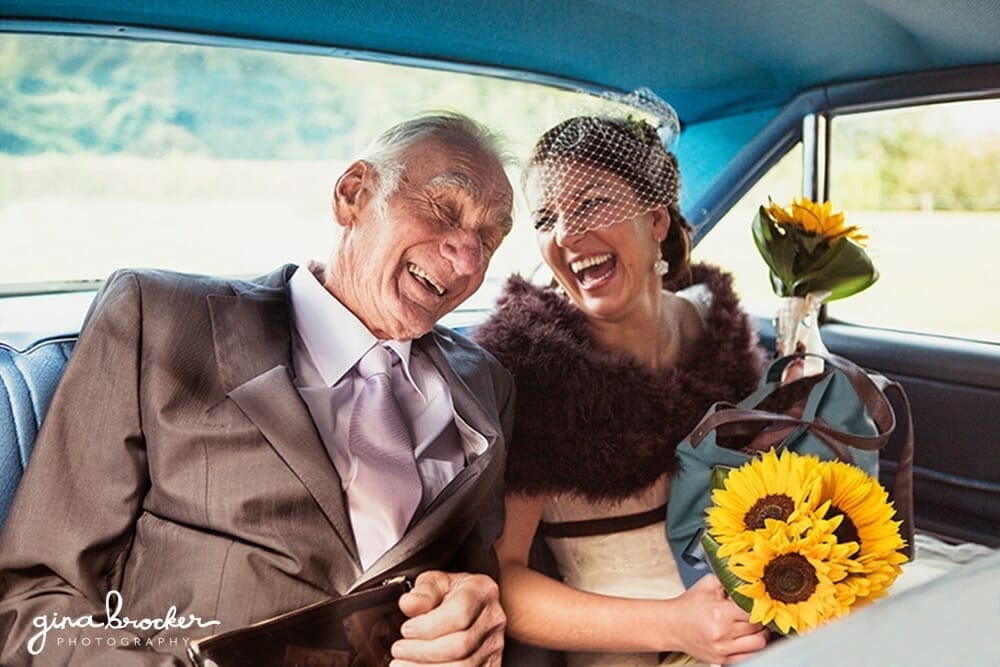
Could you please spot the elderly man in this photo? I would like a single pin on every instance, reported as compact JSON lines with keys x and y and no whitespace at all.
{"x":221,"y":451}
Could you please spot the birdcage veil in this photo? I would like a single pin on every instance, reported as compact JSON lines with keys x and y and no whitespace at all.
{"x":605,"y":165}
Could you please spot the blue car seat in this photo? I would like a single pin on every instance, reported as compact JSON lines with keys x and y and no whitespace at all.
{"x":28,"y":378}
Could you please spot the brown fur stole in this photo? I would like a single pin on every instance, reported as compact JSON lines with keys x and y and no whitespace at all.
{"x":600,"y":423}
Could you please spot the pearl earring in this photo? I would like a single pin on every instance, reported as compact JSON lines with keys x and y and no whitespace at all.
{"x":661,"y":267}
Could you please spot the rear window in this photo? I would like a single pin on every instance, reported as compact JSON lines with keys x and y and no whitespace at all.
{"x":117,"y":152}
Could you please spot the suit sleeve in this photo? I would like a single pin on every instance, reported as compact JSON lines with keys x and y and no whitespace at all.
{"x":68,"y":535}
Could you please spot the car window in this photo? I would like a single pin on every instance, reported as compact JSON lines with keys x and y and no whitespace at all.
{"x":729,"y":243}
{"x":924,"y":183}
{"x":118,"y":152}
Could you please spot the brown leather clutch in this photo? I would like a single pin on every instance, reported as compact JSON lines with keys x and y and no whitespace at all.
{"x":356,"y":630}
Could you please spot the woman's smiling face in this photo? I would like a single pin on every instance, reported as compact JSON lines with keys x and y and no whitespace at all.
{"x":595,"y":234}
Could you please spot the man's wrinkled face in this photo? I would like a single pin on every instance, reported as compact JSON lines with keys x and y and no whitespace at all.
{"x":427,"y":249}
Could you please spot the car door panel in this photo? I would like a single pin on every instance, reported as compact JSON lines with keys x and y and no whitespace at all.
{"x":954,"y":393}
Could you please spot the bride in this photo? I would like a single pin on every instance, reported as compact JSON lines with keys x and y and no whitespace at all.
{"x":613,"y":367}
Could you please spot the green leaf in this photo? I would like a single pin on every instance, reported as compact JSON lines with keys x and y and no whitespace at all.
{"x":719,"y":474}
{"x":843,"y":270}
{"x":778,"y":249}
{"x":721,"y":568}
{"x":777,"y":286}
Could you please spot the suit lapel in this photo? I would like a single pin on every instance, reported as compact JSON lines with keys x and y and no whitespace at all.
{"x":466,"y":403}
{"x":253,"y":347}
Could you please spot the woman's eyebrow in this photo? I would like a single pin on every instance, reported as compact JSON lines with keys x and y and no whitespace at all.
{"x":576,"y":197}
{"x":585,"y":190}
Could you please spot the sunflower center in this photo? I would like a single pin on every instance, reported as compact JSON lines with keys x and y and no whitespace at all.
{"x":774,"y":506}
{"x":846,"y":531}
{"x":790,"y":578}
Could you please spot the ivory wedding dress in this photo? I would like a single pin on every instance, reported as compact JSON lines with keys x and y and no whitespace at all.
{"x":634,"y":564}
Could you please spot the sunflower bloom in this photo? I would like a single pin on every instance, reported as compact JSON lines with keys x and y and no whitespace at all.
{"x":798,"y":542}
{"x":867,"y":522}
{"x":791,"y":576}
{"x":768,"y":487}
{"x":817,"y":219}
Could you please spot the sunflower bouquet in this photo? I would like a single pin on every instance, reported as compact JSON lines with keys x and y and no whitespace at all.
{"x":797,"y":541}
{"x":813,"y":257}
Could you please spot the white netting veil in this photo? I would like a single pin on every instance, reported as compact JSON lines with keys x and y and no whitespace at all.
{"x":593,"y":171}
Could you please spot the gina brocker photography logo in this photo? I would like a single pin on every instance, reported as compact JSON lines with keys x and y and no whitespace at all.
{"x":56,"y":624}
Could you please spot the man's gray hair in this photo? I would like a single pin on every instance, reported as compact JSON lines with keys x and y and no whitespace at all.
{"x":386,"y":153}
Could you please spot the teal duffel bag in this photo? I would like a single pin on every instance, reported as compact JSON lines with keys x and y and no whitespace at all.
{"x":842,"y":413}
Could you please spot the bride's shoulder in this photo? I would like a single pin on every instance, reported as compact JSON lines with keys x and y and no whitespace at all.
{"x":699,"y":296}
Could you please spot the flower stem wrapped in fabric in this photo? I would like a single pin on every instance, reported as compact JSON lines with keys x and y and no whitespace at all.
{"x":813,"y":257}
{"x":797,"y":327}
{"x":798,"y":542}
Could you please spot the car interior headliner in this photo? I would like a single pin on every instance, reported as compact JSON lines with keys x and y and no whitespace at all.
{"x":727,"y":67}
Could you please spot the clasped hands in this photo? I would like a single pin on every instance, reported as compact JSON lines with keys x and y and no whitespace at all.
{"x":454,"y":620}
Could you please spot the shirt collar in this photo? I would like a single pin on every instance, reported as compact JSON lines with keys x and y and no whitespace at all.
{"x":334,"y":337}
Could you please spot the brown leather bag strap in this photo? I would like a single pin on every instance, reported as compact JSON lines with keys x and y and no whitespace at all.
{"x":864,"y":383}
{"x":870,"y":388}
{"x":604,"y":526}
{"x":902,"y":487}
{"x":722,"y":416}
{"x":866,"y":386}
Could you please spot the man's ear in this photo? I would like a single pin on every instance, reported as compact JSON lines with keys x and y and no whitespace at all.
{"x":352,"y":192}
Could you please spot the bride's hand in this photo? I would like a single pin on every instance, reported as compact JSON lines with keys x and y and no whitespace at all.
{"x":716,"y":630}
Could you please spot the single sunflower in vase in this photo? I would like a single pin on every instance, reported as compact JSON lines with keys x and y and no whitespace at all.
{"x":813,"y":257}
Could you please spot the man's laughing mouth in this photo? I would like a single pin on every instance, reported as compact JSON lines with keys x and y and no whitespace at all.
{"x":425,"y":279}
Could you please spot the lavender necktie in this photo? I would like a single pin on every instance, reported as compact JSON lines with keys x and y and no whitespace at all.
{"x":386,"y":488}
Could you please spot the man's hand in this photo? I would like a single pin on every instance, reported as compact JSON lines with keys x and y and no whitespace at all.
{"x":454,"y":619}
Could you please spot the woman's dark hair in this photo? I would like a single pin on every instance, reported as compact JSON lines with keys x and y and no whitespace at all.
{"x":630,"y":149}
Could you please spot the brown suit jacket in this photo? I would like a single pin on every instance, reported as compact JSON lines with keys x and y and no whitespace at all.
{"x":179,"y":466}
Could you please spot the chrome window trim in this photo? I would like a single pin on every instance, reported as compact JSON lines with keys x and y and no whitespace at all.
{"x":816,"y":156}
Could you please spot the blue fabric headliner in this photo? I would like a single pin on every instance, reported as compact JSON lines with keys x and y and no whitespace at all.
{"x":708,"y":58}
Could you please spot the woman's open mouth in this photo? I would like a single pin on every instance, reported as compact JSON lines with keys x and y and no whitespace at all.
{"x":593,"y":271}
